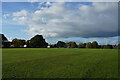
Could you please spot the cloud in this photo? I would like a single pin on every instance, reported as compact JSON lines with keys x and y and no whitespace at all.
{"x":32,"y":1}
{"x":102,"y":0}
{"x":21,"y":13}
{"x":6,"y":15}
{"x":60,"y":20}
{"x":22,"y":20}
{"x":21,"y":17}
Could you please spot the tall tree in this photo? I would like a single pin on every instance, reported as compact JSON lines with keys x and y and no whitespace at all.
{"x":3,"y":38}
{"x":61,"y":44}
{"x":72,"y":44}
{"x":95,"y":44}
{"x":89,"y":45}
{"x":38,"y":41}
{"x":4,"y":41}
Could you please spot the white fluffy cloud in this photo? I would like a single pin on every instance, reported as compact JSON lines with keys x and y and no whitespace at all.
{"x":60,"y":20}
{"x":21,"y":13}
{"x":21,"y":17}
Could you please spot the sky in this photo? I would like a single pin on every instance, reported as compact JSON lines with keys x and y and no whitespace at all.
{"x":61,"y":21}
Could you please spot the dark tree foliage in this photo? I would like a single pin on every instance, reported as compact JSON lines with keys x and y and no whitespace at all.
{"x":3,"y":37}
{"x":100,"y":46}
{"x":28,"y":43}
{"x":67,"y":45}
{"x":108,"y":46}
{"x":0,"y":40}
{"x":81,"y":45}
{"x":61,"y":44}
{"x":6,"y":44}
{"x":18,"y":42}
{"x":84,"y":45}
{"x":115,"y":46}
{"x":54,"y":45}
{"x":118,"y":46}
{"x":38,"y":42}
{"x":72,"y":44}
{"x":4,"y":41}
{"x":95,"y":44}
{"x":89,"y":45}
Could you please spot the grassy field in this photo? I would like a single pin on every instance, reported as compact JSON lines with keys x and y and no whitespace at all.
{"x":60,"y":63}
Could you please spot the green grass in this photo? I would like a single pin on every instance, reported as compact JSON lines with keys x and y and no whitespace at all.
{"x":59,"y":63}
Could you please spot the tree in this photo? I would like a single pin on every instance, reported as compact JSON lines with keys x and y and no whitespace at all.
{"x":67,"y":45}
{"x":61,"y":44}
{"x":28,"y":43}
{"x":94,"y":44}
{"x":18,"y":42}
{"x":108,"y":46}
{"x":38,"y":41}
{"x":119,"y":46}
{"x":54,"y":46}
{"x":81,"y":45}
{"x":72,"y":45}
{"x":84,"y":45}
{"x":89,"y":45}
{"x":4,"y":40}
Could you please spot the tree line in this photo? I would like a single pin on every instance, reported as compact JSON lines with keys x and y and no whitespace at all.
{"x":94,"y":44}
{"x":39,"y":42}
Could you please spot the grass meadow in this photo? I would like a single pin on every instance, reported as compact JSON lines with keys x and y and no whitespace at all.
{"x":59,"y":63}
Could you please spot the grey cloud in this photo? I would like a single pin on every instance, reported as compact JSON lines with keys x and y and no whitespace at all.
{"x":95,"y":20}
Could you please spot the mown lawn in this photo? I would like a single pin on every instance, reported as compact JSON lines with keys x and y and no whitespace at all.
{"x":59,"y":63}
